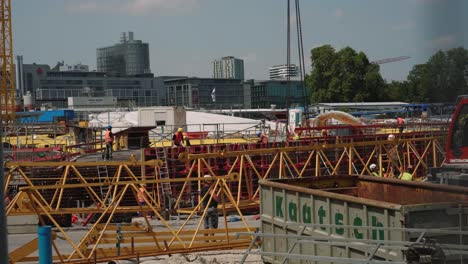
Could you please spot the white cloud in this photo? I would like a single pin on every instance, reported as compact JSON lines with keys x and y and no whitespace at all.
{"x":134,"y":7}
{"x":250,"y":57}
{"x":339,"y":12}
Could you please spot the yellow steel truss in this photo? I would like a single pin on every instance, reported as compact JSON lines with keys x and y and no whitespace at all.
{"x":139,"y":239}
{"x":45,"y":196}
{"x":323,"y":158}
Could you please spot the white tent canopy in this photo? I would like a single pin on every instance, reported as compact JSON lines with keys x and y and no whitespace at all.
{"x":196,"y":122}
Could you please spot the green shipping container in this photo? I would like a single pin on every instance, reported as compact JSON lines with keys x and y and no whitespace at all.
{"x":357,"y":202}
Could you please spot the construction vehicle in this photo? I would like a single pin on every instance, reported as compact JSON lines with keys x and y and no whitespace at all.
{"x":455,"y":169}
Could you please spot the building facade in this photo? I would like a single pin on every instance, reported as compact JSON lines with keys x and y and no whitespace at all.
{"x":75,"y":67}
{"x":130,"y":57}
{"x":204,"y":93}
{"x":55,"y":88}
{"x":264,"y":94}
{"x":31,"y":76}
{"x":281,"y":72}
{"x":228,"y":68}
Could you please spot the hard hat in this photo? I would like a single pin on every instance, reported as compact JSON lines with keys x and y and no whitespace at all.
{"x":109,"y":127}
{"x":258,"y":134}
{"x":391,"y":137}
{"x":207,"y":178}
{"x":372,"y":166}
{"x":180,"y":129}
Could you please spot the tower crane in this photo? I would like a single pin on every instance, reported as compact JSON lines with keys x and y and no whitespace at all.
{"x":382,"y":61}
{"x":7,"y":71}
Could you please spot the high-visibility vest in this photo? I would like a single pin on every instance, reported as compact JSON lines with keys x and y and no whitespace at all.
{"x":400,"y":122}
{"x":263,"y":139}
{"x":178,"y":138}
{"x":108,"y":137}
{"x":406,"y":176}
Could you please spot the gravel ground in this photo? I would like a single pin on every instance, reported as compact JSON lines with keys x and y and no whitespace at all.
{"x":225,"y":256}
{"x":211,"y":257}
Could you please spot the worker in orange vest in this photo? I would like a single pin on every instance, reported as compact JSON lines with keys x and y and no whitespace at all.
{"x":400,"y":123}
{"x":109,"y":139}
{"x":178,"y":137}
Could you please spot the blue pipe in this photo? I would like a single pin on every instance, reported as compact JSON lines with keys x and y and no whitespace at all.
{"x":45,"y":244}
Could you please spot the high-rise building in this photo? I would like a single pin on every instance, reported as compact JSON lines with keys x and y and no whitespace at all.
{"x":128,"y":58}
{"x":228,"y":68}
{"x":280,"y":72}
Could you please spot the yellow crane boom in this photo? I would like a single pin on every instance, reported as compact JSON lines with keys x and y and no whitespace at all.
{"x":7,"y":71}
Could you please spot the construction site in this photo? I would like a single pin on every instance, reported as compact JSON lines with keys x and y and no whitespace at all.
{"x":321,"y":189}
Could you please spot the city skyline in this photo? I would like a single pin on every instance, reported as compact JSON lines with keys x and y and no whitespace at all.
{"x":185,"y":36}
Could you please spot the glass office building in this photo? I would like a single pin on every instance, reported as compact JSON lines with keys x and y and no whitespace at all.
{"x":267,"y":93}
{"x":128,"y":58}
{"x":228,"y":68}
{"x":204,"y":93}
{"x":55,"y":88}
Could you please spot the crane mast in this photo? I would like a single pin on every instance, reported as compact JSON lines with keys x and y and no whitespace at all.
{"x":7,"y":72}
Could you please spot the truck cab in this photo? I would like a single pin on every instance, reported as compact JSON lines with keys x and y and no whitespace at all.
{"x":456,"y":150}
{"x":455,"y":169}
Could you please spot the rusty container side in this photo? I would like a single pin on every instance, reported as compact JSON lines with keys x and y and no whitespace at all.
{"x":354,"y":201}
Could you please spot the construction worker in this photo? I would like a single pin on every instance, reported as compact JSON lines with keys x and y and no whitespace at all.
{"x":406,"y":175}
{"x":400,"y":123}
{"x":187,"y":141}
{"x":109,"y":139}
{"x":178,"y":137}
{"x":7,"y":200}
{"x":262,"y":138}
{"x":141,"y":195}
{"x":373,"y":169}
{"x":210,"y":204}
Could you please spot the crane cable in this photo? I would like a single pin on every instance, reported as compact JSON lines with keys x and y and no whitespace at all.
{"x":288,"y":63}
{"x":300,"y":48}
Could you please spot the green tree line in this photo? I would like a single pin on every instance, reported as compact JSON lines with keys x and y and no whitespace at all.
{"x":348,"y":76}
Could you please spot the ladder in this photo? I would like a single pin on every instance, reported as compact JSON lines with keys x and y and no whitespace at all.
{"x":103,"y":177}
{"x":163,"y":172}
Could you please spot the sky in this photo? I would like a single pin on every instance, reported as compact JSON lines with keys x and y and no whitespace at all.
{"x":185,"y":36}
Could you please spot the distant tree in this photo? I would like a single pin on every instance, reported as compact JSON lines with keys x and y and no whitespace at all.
{"x":322,"y":62}
{"x":441,"y":79}
{"x":343,"y":76}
